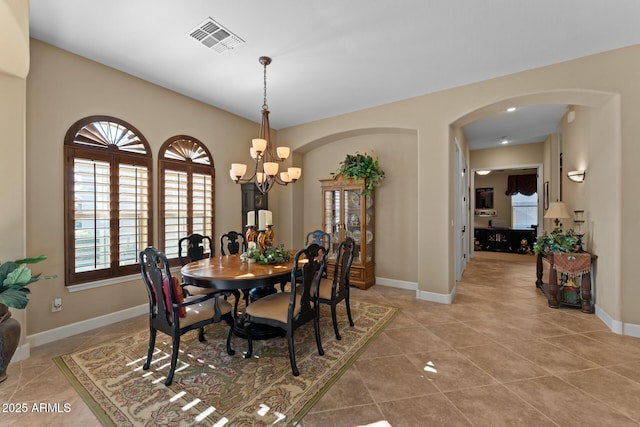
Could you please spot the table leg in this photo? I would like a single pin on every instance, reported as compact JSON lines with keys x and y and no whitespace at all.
{"x":553,"y":288}
{"x":539,"y":271}
{"x":586,"y":293}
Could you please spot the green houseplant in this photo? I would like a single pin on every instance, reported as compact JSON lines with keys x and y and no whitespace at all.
{"x":15,"y":276}
{"x":557,"y":241}
{"x":362,"y":166}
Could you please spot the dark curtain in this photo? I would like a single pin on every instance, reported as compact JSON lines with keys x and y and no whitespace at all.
{"x":523,"y":184}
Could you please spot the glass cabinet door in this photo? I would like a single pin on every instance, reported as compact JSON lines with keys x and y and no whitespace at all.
{"x":367,"y":238}
{"x":333,"y":219}
{"x":353,"y":221}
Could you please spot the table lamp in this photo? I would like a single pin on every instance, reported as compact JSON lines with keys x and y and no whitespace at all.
{"x":557,"y":211}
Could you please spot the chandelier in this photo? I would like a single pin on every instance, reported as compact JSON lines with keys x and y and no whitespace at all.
{"x":266,"y":159}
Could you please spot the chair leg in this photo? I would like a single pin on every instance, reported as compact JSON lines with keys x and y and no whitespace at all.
{"x":152,"y":346}
{"x":292,"y":353}
{"x":230,"y":351}
{"x":175,"y":347}
{"x":349,"y":310}
{"x":247,"y":354}
{"x":316,"y":326}
{"x":334,"y":318}
{"x":201,"y":334}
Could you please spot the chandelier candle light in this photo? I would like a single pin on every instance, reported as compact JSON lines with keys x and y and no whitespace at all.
{"x":265,"y":171}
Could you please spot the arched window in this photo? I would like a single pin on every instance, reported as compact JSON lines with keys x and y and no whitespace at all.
{"x":186,"y":180}
{"x":108,"y":199}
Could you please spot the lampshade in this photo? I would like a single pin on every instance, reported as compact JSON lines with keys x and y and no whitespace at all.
{"x":557,"y":210}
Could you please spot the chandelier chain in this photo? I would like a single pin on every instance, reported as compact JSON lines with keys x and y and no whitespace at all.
{"x":265,"y":156}
{"x":264,"y":104}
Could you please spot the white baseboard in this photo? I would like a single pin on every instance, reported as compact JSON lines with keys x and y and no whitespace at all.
{"x":62,"y":332}
{"x":22,"y":352}
{"x":400,"y":284}
{"x":617,"y":326}
{"x":413,"y":286}
{"x":435,"y":297}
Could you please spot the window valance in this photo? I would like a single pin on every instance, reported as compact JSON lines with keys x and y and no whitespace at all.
{"x":524,"y":184}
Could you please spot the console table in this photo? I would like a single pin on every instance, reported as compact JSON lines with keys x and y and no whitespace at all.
{"x":550,"y":289}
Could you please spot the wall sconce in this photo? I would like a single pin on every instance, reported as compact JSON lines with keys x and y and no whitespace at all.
{"x":577,"y":176}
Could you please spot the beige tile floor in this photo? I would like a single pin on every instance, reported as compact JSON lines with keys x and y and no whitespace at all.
{"x":497,"y":356}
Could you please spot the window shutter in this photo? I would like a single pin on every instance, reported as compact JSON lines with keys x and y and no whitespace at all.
{"x":133,"y":215}
{"x":91,"y":197}
{"x":175,"y":210}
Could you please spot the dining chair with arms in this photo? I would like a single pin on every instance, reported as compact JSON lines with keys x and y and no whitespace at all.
{"x":290,"y":310}
{"x":174,"y":315}
{"x":334,"y":291}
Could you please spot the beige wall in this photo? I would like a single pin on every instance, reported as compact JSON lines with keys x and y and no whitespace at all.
{"x":395,"y":198}
{"x":14,"y":65}
{"x":63,"y":88}
{"x":585,"y":145}
{"x":594,"y":81}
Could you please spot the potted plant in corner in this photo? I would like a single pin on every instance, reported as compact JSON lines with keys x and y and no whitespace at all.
{"x":15,"y":276}
{"x":362,"y":166}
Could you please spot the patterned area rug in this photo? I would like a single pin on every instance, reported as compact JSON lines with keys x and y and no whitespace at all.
{"x":213,"y":388}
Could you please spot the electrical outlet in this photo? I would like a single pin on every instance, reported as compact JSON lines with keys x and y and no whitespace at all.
{"x":56,"y":305}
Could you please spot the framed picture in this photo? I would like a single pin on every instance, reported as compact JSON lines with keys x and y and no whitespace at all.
{"x":484,"y":198}
{"x":546,"y":195}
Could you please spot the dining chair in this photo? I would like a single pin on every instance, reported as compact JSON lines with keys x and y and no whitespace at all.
{"x":171,"y":313}
{"x":318,"y":237}
{"x":321,"y":238}
{"x":199,"y":247}
{"x":232,"y":243}
{"x":334,"y":291}
{"x":291,"y":310}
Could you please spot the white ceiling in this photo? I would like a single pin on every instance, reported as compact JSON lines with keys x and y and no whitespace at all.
{"x":335,"y":56}
{"x":525,"y":125}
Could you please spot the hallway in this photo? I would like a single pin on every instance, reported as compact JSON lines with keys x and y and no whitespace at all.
{"x":497,"y":356}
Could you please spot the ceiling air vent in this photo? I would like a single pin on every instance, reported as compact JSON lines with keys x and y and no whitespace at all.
{"x":215,"y":36}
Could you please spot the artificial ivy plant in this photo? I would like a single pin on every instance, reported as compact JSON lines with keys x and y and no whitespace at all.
{"x":362,"y":166}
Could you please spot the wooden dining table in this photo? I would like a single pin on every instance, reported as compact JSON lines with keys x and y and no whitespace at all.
{"x":228,"y":273}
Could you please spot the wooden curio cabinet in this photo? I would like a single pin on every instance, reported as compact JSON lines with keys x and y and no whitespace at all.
{"x":347,"y":213}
